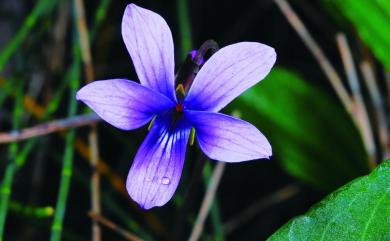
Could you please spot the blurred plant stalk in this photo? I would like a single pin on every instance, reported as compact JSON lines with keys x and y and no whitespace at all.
{"x":114,"y":227}
{"x":359,"y":112}
{"x":48,"y":128}
{"x":355,"y":104}
{"x":207,"y":201}
{"x":93,"y":137}
{"x":379,"y":107}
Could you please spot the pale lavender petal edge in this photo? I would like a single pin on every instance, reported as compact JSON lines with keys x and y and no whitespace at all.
{"x":149,"y":42}
{"x":229,"y":139}
{"x":122,"y":103}
{"x":228,"y":73}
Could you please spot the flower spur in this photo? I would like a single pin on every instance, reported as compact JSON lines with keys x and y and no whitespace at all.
{"x":156,"y":170}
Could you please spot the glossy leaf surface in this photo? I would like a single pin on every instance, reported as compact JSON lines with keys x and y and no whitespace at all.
{"x":358,"y":211}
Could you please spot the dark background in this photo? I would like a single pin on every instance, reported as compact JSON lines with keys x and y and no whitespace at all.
{"x":242,"y":185}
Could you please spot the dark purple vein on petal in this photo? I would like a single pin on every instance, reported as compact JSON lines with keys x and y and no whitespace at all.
{"x":157,"y":145}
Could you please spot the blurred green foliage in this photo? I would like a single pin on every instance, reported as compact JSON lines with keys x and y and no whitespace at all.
{"x":31,"y":211}
{"x":41,"y":8}
{"x":312,"y":136}
{"x":12,"y":165}
{"x":73,"y":77}
{"x":371,"y":18}
{"x":358,"y":211}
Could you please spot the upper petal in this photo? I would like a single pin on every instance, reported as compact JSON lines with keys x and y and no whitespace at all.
{"x":123,"y":103}
{"x":157,"y":166}
{"x":228,"y":73}
{"x":149,"y":42}
{"x":225,"y":138}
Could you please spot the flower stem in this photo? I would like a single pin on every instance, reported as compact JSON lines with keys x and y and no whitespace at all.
{"x":192,"y":189}
{"x":208,"y":46}
{"x":215,"y":214}
{"x":207,"y":201}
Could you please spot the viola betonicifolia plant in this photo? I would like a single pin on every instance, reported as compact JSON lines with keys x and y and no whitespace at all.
{"x":179,"y":106}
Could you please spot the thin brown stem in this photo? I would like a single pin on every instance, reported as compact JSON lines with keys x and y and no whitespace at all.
{"x":192,"y":189}
{"x":317,"y":52}
{"x":83,"y":35}
{"x":260,"y":205}
{"x":57,"y":48}
{"x":373,"y":90}
{"x":360,"y":113}
{"x":207,"y":201}
{"x":49,"y":127}
{"x":111,"y":225}
{"x":93,"y":137}
{"x":95,"y":182}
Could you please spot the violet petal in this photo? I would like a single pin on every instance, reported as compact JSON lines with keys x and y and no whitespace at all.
{"x":149,"y":41}
{"x":157,"y":166}
{"x":228,"y":73}
{"x":225,"y":138}
{"x":123,"y":103}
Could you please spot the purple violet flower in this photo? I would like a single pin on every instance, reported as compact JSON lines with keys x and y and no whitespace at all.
{"x":157,"y":166}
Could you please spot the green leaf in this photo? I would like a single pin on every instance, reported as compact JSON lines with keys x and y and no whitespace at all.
{"x":311,"y":134}
{"x":358,"y":211}
{"x":371,"y":18}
